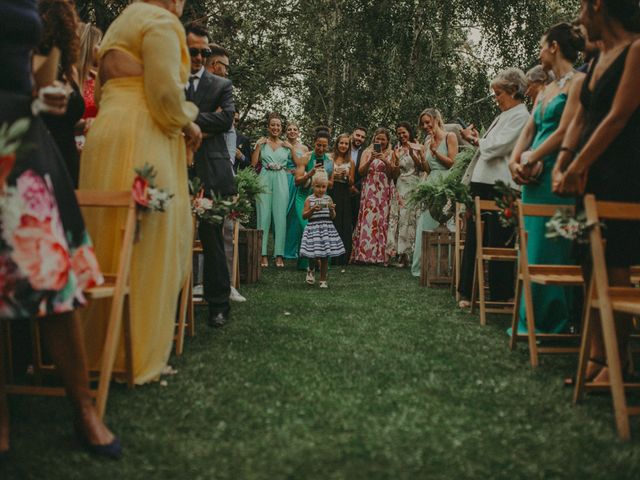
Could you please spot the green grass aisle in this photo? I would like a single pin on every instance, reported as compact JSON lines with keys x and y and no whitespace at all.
{"x":373,"y":378}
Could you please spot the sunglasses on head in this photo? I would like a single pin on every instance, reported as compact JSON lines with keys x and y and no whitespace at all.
{"x":205,"y":52}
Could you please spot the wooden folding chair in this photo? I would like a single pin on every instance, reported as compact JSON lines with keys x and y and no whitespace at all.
{"x":485,"y":254}
{"x":460,"y":235}
{"x":186,"y":317}
{"x":116,"y":287}
{"x":541,"y":274}
{"x":607,"y":301}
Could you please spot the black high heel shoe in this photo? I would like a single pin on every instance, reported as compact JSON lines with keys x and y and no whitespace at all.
{"x":111,"y":450}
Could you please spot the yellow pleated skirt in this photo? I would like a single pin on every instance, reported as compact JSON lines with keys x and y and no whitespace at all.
{"x":125,"y":136}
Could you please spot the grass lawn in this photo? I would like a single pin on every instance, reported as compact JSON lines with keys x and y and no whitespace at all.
{"x":372,"y":378}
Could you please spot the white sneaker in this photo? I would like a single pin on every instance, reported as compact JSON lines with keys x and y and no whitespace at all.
{"x":198,"y":290}
{"x":323,"y":284}
{"x":235,"y":296}
{"x":311,"y":277}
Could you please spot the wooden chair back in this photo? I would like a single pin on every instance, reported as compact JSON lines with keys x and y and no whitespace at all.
{"x":483,"y":254}
{"x":542,"y":274}
{"x":607,"y":300}
{"x":115,"y":287}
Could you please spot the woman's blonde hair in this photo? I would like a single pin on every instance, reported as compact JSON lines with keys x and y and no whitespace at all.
{"x":90,"y":36}
{"x":433,"y":113}
{"x":320,"y":178}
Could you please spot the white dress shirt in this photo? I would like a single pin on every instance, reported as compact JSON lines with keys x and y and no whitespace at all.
{"x":196,"y":80}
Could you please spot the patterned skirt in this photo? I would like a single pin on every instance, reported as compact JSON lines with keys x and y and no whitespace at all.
{"x":321,"y":240}
{"x":46,"y":256}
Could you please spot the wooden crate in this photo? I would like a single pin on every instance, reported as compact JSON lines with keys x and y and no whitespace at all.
{"x":250,"y":255}
{"x":438,"y":249}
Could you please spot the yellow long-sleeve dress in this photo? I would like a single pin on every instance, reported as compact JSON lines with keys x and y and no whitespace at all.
{"x":140,"y":120}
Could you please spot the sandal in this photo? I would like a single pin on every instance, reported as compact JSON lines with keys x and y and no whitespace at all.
{"x":571,"y":381}
{"x":464,"y":304}
{"x":264,"y":263}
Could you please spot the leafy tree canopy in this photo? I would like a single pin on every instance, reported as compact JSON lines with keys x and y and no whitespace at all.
{"x":354,"y":62}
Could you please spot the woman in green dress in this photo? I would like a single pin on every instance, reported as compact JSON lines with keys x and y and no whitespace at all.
{"x":274,"y":154}
{"x":292,"y":241}
{"x":537,"y":148}
{"x":441,"y":149}
{"x":306,"y":167}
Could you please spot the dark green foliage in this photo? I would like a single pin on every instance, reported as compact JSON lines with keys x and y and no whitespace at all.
{"x":349,"y":62}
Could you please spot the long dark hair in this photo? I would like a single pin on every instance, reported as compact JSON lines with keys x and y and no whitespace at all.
{"x":627,"y":12}
{"x":335,"y":152}
{"x":60,"y":23}
{"x":409,"y":128}
{"x":569,"y":40}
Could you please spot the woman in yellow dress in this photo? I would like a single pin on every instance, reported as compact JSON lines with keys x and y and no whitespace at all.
{"x":144,"y":65}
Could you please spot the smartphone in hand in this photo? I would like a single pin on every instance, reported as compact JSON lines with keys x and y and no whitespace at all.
{"x":462,"y":123}
{"x":377,"y":148}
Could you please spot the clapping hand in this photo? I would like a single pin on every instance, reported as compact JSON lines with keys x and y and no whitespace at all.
{"x":470,"y":134}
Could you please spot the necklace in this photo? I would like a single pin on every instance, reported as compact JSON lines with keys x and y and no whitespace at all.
{"x":566,"y":78}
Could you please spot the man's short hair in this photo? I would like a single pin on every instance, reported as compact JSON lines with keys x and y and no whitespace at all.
{"x":197,"y":29}
{"x":360,"y":128}
{"x":218,"y":50}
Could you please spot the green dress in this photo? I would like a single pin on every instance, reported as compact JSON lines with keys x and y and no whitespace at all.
{"x":273,"y":203}
{"x":295,"y":222}
{"x":292,"y":242}
{"x":551,"y":303}
{"x":425,"y":220}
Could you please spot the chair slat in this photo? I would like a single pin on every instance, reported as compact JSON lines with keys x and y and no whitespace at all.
{"x":538,"y":210}
{"x":618,"y":211}
{"x":96,"y":198}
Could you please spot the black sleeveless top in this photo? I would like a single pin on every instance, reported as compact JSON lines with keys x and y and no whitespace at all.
{"x":616,"y":174}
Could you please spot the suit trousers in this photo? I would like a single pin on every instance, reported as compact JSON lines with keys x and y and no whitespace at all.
{"x":501,"y":274}
{"x":216,"y":274}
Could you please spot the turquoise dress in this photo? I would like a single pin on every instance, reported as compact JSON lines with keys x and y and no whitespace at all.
{"x":425,"y":220}
{"x":292,"y":242}
{"x":551,"y":303}
{"x":295,"y":222}
{"x":272,"y":205}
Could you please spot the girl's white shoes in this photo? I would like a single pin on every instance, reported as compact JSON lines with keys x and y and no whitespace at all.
{"x":323,"y":284}
{"x":311,"y":278}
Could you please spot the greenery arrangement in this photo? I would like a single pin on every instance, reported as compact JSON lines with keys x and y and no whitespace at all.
{"x":439,"y":197}
{"x":214,"y":208}
{"x":507,"y":202}
{"x":564,"y":224}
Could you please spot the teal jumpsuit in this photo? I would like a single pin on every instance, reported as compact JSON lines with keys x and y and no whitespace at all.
{"x":273,"y":203}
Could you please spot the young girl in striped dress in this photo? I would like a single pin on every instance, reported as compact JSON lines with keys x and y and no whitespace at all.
{"x":320,"y":239}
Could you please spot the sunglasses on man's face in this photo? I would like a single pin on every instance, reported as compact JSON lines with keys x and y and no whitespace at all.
{"x":205,"y":52}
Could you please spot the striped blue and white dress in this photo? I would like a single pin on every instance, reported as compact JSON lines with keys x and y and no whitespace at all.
{"x":320,"y":238}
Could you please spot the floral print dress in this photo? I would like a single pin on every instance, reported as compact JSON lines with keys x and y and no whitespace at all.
{"x":370,"y":234}
{"x":46,"y":257}
{"x":401,"y":236}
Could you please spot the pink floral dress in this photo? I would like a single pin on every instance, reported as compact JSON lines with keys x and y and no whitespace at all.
{"x":46,"y":256}
{"x":370,"y":234}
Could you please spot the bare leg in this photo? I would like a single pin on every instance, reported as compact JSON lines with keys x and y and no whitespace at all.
{"x":618,"y":277}
{"x":4,"y":404}
{"x":264,"y":262}
{"x":64,"y":339}
{"x":324,"y":267}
